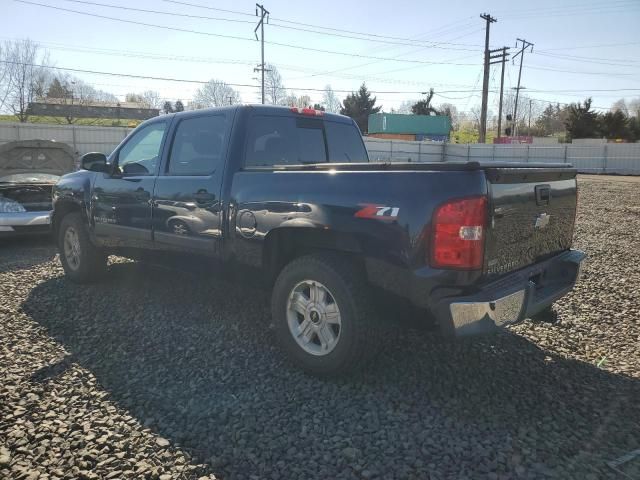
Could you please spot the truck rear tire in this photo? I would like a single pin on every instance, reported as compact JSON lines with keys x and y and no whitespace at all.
{"x":81,"y":260}
{"x":323,"y":316}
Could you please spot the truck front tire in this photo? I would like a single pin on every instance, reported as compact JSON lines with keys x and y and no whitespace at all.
{"x":81,"y":260}
{"x":323,"y":316}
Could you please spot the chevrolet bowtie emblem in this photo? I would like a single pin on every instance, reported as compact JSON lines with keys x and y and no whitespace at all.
{"x":542,"y":220}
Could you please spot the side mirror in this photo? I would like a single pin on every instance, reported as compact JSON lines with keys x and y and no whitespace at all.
{"x":94,"y":161}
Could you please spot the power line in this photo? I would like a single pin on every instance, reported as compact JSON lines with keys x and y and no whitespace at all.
{"x":551,"y":69}
{"x":384,"y":92}
{"x":233,"y":37}
{"x":202,"y":82}
{"x":181,"y":58}
{"x":584,"y":60}
{"x":575,"y":11}
{"x":602,"y":45}
{"x":204,"y":17}
{"x":369,"y":34}
{"x":351,"y":67}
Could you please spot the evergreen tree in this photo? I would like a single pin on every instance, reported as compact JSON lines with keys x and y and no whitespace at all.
{"x":614,"y":125}
{"x":178,"y":106}
{"x":423,"y":107}
{"x":167,"y":107}
{"x":581,"y":122}
{"x":359,"y":106}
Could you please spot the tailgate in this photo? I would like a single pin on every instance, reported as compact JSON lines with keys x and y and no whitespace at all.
{"x":531,"y":216}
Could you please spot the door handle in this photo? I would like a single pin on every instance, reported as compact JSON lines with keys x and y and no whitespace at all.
{"x":202,"y":196}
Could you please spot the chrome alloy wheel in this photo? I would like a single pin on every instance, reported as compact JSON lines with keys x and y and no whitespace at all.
{"x":313,"y":317}
{"x":72,"y":248}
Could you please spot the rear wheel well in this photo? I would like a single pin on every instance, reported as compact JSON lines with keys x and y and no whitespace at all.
{"x":283,"y":245}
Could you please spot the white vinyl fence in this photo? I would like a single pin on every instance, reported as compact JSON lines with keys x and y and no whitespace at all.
{"x":622,"y":158}
{"x":82,"y":139}
{"x":603,"y":158}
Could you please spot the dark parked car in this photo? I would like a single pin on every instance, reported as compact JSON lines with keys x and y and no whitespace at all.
{"x":290,"y":194}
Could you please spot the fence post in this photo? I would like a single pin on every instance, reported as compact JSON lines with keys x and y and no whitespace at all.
{"x":17,"y":127}
{"x":604,"y":159}
{"x":419,"y":151}
{"x":493,"y":153}
{"x":73,"y":137}
{"x":468,"y":152}
{"x":566,"y":148}
{"x":444,"y":152}
{"x":528,"y":152}
{"x":391,"y":150}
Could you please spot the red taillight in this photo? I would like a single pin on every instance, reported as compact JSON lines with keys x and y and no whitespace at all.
{"x":458,"y":234}
{"x":307,"y":111}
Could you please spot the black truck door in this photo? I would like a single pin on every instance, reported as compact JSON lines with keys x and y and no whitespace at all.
{"x":186,"y":201}
{"x":122,"y":198}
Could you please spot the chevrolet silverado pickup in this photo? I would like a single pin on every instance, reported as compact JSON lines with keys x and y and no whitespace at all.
{"x":290,"y":193}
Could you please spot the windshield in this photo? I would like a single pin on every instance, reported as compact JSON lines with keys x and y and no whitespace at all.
{"x":29,"y":178}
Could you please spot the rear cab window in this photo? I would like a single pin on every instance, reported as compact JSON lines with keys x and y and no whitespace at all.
{"x":198,"y":145}
{"x":291,"y":140}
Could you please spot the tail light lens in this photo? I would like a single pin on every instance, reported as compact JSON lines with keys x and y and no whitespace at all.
{"x":458,"y":234}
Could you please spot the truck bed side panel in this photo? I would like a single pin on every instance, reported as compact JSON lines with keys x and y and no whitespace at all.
{"x":386,"y":213}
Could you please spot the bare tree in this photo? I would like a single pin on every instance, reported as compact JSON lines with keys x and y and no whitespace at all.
{"x":26,"y":78}
{"x":451,"y":111}
{"x":293,"y":100}
{"x":475,"y":117}
{"x":215,"y":93}
{"x":634,"y":107}
{"x":71,"y":91}
{"x":274,"y":90}
{"x":620,"y":106}
{"x":151,"y":99}
{"x":330,"y":100}
{"x":4,"y":74}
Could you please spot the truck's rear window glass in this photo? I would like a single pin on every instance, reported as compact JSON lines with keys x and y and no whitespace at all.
{"x":345,"y":143}
{"x":277,"y":140}
{"x":197,"y":145}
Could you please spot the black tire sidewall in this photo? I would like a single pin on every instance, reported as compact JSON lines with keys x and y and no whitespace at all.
{"x":90,"y":262}
{"x":312,"y":269}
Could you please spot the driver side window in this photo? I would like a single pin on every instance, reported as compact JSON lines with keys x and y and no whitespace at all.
{"x":141,"y":154}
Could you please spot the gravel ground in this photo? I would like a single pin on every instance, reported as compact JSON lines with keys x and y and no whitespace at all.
{"x":159,"y":374}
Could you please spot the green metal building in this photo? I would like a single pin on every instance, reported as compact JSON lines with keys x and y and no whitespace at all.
{"x":409,"y":127}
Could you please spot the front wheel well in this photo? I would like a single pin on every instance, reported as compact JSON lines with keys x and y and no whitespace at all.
{"x":60,"y":212}
{"x":284,"y":245}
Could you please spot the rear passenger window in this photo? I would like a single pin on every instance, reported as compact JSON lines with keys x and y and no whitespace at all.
{"x":277,"y":140}
{"x":345,"y":143}
{"x":197,"y":145}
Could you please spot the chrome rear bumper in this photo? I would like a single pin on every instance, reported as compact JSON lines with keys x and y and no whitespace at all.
{"x":514,"y":297}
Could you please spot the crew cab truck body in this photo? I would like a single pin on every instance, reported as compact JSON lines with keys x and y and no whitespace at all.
{"x":290,"y":193}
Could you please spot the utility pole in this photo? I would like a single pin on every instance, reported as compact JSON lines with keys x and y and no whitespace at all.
{"x":485,"y":84}
{"x":263,"y":14}
{"x":502,"y":59}
{"x":529,"y":132}
{"x":525,"y":45}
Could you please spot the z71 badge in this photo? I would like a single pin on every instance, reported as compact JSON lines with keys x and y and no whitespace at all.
{"x":378,"y":212}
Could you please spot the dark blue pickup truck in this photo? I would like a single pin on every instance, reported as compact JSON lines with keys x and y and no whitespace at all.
{"x":290,"y":193}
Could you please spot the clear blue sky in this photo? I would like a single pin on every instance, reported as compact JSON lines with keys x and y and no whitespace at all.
{"x":580,"y":47}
